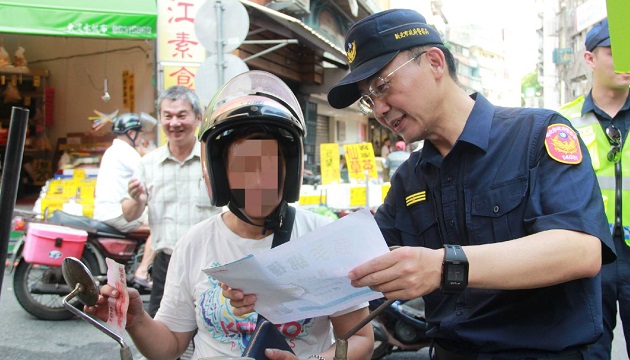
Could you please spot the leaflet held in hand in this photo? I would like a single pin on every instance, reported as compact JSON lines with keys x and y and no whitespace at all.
{"x":117,"y":314}
{"x":308,"y":277}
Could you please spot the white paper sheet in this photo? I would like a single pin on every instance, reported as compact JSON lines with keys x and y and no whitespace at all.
{"x":308,"y":277}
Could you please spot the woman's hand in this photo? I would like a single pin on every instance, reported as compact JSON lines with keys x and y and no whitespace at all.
{"x":101,"y":309}
{"x":242,"y":304}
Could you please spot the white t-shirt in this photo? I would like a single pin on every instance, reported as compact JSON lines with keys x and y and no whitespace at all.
{"x":117,"y":166}
{"x":192,"y":300}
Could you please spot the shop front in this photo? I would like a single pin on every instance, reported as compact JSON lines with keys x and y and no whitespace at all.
{"x":73,"y":62}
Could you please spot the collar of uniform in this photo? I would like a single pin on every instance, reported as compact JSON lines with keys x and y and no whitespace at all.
{"x":588,"y":105}
{"x":165,"y":153}
{"x":477,"y":129}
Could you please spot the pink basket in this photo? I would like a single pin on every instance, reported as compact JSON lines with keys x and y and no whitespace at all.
{"x":49,"y":244}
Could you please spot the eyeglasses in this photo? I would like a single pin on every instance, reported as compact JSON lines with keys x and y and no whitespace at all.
{"x":614,"y":137}
{"x":379,"y":87}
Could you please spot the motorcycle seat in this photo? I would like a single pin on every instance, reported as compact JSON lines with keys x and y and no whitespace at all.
{"x":59,"y":217}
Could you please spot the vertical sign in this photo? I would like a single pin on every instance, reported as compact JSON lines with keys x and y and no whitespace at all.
{"x":129,"y":94}
{"x":329,"y":160}
{"x":179,"y":52}
{"x":360,"y":159}
{"x":176,"y":31}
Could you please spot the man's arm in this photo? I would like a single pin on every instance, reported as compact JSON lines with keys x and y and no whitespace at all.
{"x":542,"y":259}
{"x":134,"y":207}
{"x":547,"y":258}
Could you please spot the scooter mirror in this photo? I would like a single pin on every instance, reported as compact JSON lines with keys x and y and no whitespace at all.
{"x":75,"y":272}
{"x":79,"y":277}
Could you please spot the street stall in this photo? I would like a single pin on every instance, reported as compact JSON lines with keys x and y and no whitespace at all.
{"x":362,"y":186}
{"x":71,"y":63}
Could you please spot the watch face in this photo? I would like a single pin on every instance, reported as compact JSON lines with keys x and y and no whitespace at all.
{"x":455,"y":273}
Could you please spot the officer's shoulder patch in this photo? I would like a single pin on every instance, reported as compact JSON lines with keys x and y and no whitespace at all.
{"x":562,"y":144}
{"x":416,"y":198}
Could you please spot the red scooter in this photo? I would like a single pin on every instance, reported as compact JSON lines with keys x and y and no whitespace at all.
{"x":38,"y":283}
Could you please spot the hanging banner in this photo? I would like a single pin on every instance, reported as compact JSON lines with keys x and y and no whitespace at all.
{"x":177,"y":41}
{"x":360,"y":160}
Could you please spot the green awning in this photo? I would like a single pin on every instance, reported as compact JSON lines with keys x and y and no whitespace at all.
{"x":127,"y":19}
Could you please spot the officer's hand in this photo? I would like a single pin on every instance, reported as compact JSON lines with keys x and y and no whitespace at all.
{"x":242,"y":304}
{"x":403,"y":273}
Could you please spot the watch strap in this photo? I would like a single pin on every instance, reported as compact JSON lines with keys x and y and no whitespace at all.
{"x":454,"y":269}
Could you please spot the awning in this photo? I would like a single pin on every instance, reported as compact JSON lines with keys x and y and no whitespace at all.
{"x":128,"y":19}
{"x":303,"y":32}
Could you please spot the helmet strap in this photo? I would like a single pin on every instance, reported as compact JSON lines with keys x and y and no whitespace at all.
{"x":133,"y":141}
{"x":272,"y":222}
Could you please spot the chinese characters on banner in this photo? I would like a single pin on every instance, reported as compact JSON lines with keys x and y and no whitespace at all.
{"x":180,"y":75}
{"x":329,"y":159}
{"x":177,"y":42}
{"x":359,"y":160}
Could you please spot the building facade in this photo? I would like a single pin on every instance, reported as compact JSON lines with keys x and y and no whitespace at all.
{"x":564,"y":24}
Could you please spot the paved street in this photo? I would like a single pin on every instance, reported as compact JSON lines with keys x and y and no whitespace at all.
{"x":25,"y":338}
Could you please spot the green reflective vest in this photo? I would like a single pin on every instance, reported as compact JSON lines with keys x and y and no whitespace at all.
{"x":598,"y":146}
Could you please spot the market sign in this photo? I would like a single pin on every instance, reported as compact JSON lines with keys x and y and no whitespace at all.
{"x":124,"y":19}
{"x":329,"y":160}
{"x":360,"y":161}
{"x":177,"y":41}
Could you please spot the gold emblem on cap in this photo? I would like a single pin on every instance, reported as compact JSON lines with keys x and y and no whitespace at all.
{"x":352,"y":52}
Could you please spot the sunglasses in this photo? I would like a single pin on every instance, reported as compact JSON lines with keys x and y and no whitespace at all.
{"x":614,"y":137}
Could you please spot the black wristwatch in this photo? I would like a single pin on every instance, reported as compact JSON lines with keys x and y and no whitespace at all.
{"x":454,"y":270}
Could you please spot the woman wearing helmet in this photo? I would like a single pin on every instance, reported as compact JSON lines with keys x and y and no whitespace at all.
{"x":252,"y":153}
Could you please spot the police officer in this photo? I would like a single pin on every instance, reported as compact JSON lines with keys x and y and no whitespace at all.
{"x":602,"y":118}
{"x":499,"y":218}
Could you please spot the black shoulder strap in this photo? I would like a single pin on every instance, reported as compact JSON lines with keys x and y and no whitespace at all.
{"x":283,"y":234}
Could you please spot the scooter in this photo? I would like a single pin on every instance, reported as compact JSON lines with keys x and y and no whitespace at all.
{"x":40,"y":288}
{"x":401,"y":326}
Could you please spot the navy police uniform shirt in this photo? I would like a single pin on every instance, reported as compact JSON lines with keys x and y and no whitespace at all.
{"x":512,"y":172}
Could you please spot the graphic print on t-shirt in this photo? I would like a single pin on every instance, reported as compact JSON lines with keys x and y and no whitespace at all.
{"x":226,"y":327}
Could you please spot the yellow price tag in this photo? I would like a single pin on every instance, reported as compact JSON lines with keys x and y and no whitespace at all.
{"x":357,"y":196}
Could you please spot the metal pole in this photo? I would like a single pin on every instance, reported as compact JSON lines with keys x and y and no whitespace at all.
{"x":220,"y":44}
{"x":10,"y":179}
{"x":367,"y":188}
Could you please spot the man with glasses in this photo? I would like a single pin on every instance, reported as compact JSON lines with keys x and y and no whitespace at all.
{"x":602,"y":118}
{"x":499,"y":219}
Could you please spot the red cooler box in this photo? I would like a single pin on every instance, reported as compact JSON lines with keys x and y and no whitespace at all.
{"x":49,"y":244}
